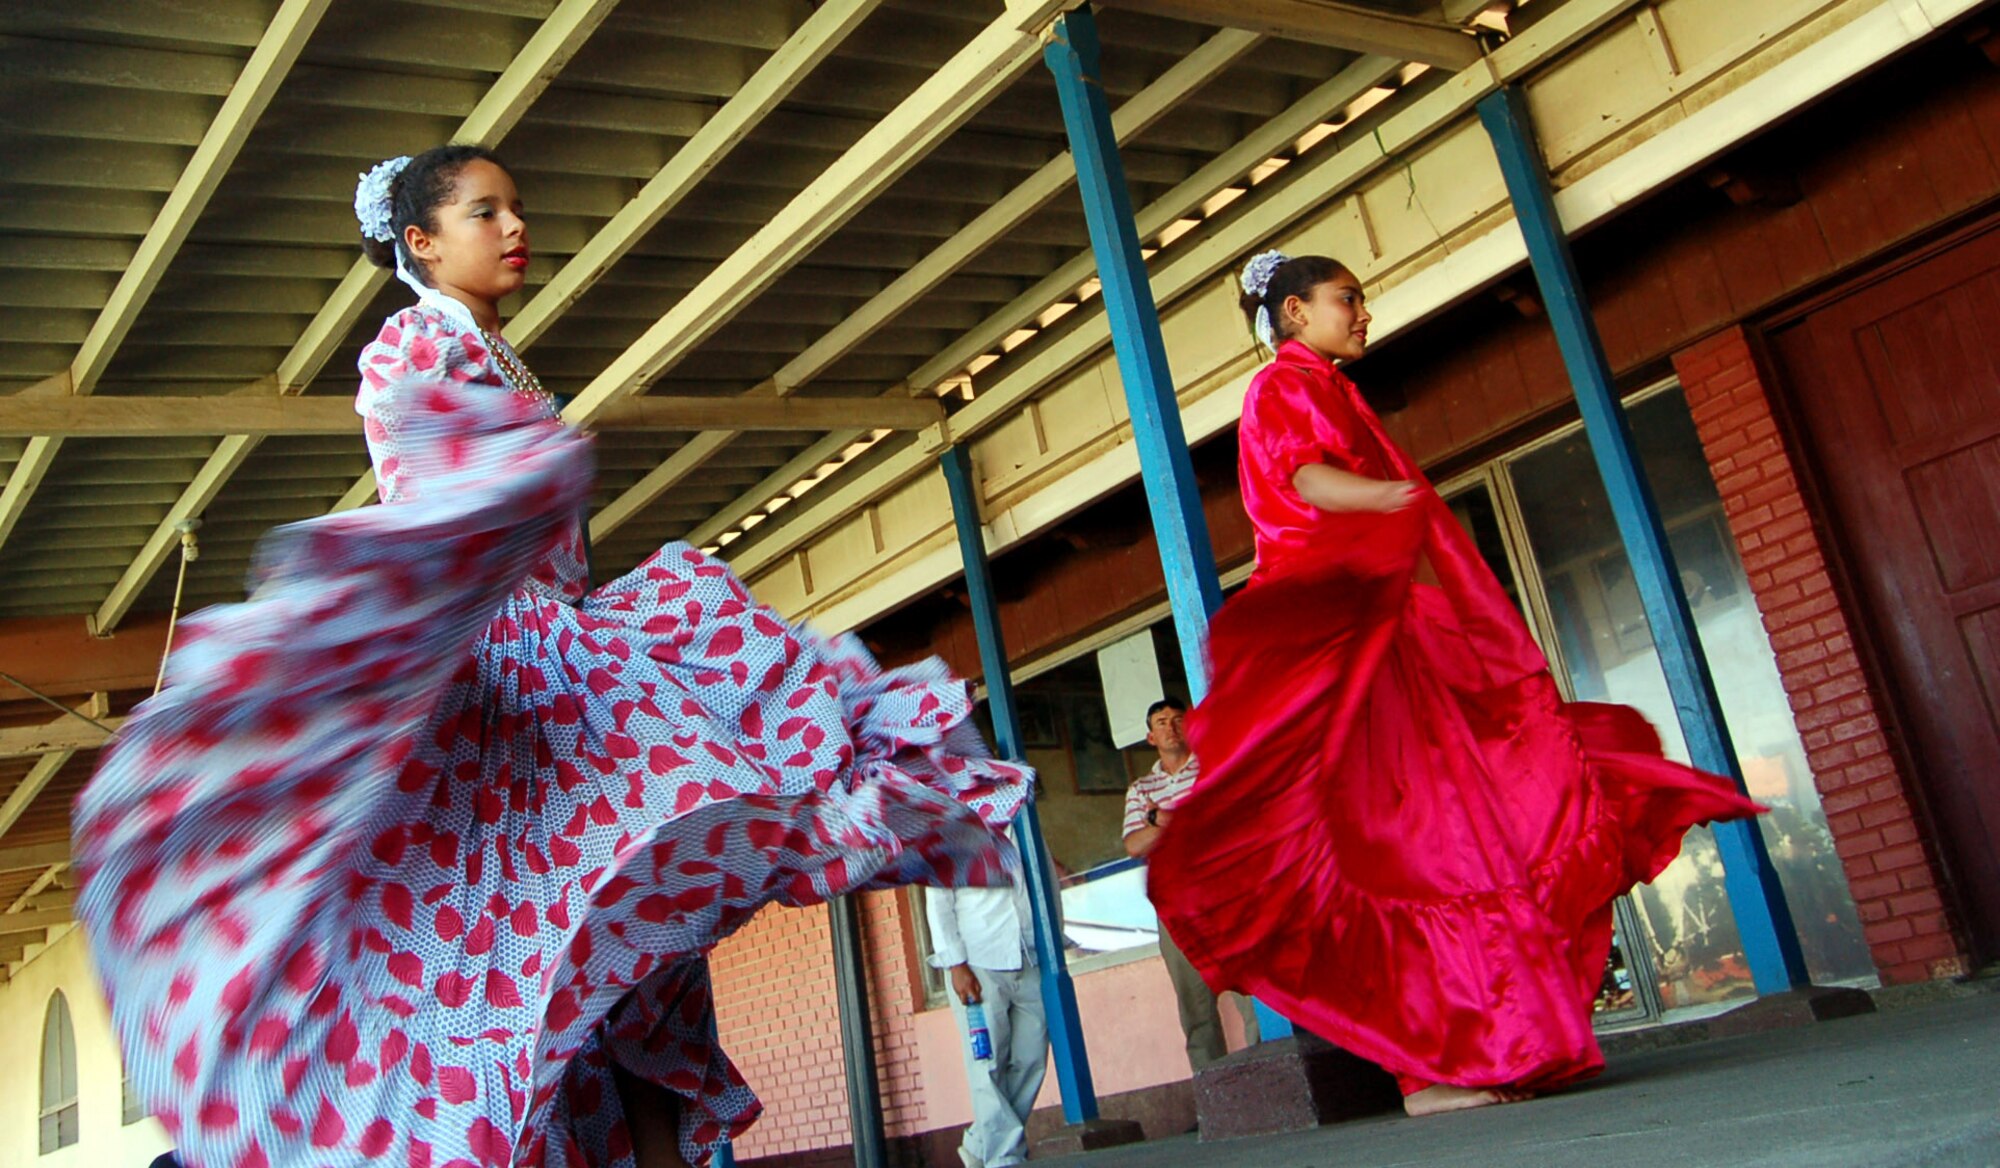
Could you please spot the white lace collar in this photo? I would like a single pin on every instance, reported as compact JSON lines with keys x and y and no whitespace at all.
{"x":430,"y":297}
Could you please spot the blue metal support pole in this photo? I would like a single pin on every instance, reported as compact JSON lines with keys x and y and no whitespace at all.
{"x":1079,"y":1094}
{"x":1194,"y":588}
{"x":1770,"y":942}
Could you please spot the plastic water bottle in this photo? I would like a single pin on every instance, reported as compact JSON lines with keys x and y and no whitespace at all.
{"x":975,"y":1027}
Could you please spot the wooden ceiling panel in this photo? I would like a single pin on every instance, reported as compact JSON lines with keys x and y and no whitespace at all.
{"x":102,"y":102}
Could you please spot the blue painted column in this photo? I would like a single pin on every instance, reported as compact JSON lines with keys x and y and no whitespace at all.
{"x":1770,"y":942}
{"x":1194,"y":587}
{"x":1079,"y":1094}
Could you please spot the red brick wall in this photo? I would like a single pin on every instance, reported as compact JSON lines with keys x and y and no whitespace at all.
{"x":779,"y":1019}
{"x":1862,"y":779}
{"x":775,"y":1008}
{"x":894,"y":997}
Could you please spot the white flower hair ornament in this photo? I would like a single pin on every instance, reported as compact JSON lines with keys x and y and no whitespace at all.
{"x":372,"y":205}
{"x":1256,"y":281}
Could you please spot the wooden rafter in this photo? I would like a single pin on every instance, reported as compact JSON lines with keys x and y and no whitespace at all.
{"x":1182,"y":270}
{"x":262,"y":417}
{"x":31,"y":895}
{"x":757,"y":497}
{"x":88,"y":728}
{"x":30,"y":788}
{"x":997,"y":55}
{"x":957,"y":90}
{"x":248,"y":97}
{"x":498,"y":111}
{"x":1323,"y":102}
{"x":30,"y":857}
{"x":814,"y":41}
{"x":34,"y":920}
{"x":1131,"y":118}
{"x":1327,"y":22}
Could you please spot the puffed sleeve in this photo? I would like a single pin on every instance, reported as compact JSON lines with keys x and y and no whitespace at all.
{"x":1287,"y":425}
{"x":416,"y":344}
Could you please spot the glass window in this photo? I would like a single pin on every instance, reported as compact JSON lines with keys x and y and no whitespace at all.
{"x":1621,"y":997}
{"x":59,"y":1127}
{"x":1604,"y":641}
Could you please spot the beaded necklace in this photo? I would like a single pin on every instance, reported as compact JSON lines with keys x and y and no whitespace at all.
{"x":519,"y":378}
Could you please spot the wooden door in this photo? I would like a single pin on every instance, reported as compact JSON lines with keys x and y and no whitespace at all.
{"x":1898,"y":388}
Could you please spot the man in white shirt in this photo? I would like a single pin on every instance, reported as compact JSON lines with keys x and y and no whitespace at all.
{"x":1149,"y":805}
{"x":984,"y":940}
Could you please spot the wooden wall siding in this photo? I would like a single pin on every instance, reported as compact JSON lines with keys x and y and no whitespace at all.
{"x":1864,"y":780}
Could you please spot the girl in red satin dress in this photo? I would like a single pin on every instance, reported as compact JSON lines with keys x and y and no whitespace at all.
{"x":1408,"y":842}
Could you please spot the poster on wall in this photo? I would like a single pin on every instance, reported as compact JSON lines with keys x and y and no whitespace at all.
{"x":1130,"y":670}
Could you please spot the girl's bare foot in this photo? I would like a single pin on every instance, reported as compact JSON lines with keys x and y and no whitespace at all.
{"x":1441,"y":1097}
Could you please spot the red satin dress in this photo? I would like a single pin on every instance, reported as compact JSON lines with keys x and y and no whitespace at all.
{"x":1403,"y":838}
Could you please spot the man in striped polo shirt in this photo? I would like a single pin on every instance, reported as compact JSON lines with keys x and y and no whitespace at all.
{"x":1149,"y":805}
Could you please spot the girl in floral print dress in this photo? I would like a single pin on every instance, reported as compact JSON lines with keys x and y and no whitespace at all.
{"x":416,"y":858}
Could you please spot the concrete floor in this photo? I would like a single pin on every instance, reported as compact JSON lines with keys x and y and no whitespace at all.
{"x":1910,"y":1088}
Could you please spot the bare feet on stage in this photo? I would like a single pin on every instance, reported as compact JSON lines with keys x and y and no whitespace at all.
{"x":1441,"y":1097}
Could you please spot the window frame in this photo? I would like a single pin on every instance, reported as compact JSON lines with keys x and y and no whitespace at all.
{"x":52,"y":1112}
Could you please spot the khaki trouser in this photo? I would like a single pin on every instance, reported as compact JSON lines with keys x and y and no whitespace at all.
{"x":1201,"y":1021}
{"x":1004,"y":1086}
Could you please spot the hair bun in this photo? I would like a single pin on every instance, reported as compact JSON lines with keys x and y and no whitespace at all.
{"x":373,"y":206}
{"x":1256,"y":277}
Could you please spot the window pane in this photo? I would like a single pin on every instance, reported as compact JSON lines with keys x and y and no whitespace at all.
{"x":51,"y":1060}
{"x":1608,"y":649}
{"x":133,"y":1109}
{"x":68,"y":1052}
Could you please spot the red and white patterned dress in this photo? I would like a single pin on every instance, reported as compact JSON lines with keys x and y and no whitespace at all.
{"x":423,"y":836}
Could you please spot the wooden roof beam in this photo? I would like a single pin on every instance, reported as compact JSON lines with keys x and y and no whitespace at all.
{"x":64,"y":736}
{"x":1315,"y":107}
{"x":498,"y":112}
{"x":30,"y":896}
{"x":756,"y":498}
{"x":34,"y":920}
{"x":1131,"y":118}
{"x":774,"y":81}
{"x":29,"y":857}
{"x":1327,"y":22}
{"x":30,"y":788}
{"x":975,"y":74}
{"x":1322,"y":103}
{"x":991,"y":62}
{"x":262,"y":417}
{"x":1181,"y":270}
{"x":58,"y":656}
{"x":249,"y":96}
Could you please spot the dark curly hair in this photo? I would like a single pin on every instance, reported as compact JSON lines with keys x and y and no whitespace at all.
{"x":1297,"y":276}
{"x":414,"y":197}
